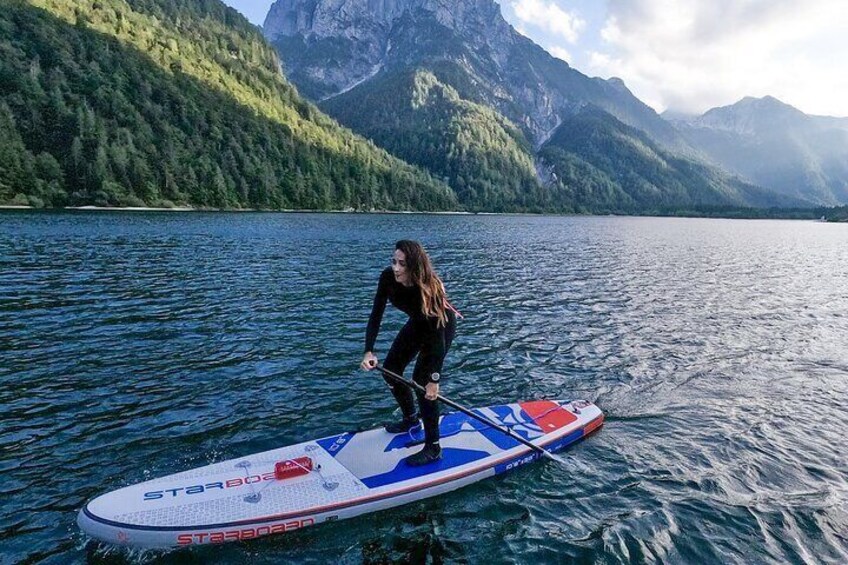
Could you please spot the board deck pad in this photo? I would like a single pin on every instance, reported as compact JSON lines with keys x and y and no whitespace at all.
{"x":355,"y":473}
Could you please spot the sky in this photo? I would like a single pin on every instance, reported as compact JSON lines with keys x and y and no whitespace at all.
{"x":691,"y":55}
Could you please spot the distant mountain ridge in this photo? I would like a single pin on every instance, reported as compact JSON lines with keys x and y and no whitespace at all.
{"x":607,"y":166}
{"x":775,"y":145}
{"x":752,"y":116}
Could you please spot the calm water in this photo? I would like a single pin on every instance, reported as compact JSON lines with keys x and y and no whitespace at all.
{"x":134,"y":345}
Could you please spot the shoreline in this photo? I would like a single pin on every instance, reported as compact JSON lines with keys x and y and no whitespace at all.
{"x":238,"y":210}
{"x":401,"y":212}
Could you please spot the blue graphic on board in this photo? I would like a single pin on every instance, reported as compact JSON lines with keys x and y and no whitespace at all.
{"x":517,"y":420}
{"x":334,"y":444}
{"x":450,"y":425}
{"x":451,"y":457}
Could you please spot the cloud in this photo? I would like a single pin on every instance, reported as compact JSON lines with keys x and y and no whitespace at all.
{"x":549,"y":17}
{"x":690,"y":55}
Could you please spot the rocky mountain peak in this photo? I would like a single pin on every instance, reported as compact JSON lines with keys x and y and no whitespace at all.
{"x":352,"y":18}
{"x":330,"y":47}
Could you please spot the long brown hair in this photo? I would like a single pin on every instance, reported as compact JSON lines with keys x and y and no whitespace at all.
{"x":421,"y":273}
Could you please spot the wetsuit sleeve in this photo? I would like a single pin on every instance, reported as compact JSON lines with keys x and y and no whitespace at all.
{"x":377,"y":310}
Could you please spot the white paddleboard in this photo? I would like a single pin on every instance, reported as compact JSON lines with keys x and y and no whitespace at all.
{"x":352,"y":474}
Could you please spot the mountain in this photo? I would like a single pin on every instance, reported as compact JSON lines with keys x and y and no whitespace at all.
{"x":331,"y":46}
{"x":452,"y":87}
{"x":603,"y":165}
{"x":774,"y":145}
{"x":162,"y":102}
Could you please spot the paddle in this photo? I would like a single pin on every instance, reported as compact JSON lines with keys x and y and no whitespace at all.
{"x":415,"y":386}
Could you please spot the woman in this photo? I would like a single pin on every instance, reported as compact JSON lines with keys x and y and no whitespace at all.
{"x":412,"y":286}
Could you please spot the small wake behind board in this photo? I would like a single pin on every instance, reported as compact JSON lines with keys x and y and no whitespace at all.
{"x":328,"y":479}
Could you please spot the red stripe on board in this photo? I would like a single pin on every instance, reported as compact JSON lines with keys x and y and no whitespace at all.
{"x":548,"y":415}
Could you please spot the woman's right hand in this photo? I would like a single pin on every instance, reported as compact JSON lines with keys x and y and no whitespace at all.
{"x":369,"y":361}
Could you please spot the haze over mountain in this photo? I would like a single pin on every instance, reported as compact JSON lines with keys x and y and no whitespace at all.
{"x":618,"y":167}
{"x":775,"y":145}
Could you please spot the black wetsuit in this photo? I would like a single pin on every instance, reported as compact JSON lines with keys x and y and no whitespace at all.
{"x":420,"y":335}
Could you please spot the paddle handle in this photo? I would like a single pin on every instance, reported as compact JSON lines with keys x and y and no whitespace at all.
{"x":467,"y":412}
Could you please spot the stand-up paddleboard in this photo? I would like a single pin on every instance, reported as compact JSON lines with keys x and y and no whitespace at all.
{"x":329,"y":479}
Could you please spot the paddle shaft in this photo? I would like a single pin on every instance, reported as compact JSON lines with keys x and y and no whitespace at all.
{"x":466,"y":411}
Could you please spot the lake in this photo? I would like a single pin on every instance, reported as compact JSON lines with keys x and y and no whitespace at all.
{"x":138,"y":344}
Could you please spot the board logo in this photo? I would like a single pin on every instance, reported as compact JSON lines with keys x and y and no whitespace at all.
{"x":221,"y":536}
{"x":198,"y":489}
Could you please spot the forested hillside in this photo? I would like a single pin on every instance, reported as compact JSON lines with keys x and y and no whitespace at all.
{"x":481,"y":154}
{"x":162,"y":102}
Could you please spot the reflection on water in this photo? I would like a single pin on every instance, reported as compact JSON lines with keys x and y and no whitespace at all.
{"x":140,"y":344}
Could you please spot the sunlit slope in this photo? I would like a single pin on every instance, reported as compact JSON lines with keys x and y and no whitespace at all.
{"x":155,"y":102}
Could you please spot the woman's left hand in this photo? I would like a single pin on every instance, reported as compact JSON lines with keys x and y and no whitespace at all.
{"x":432,"y":391}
